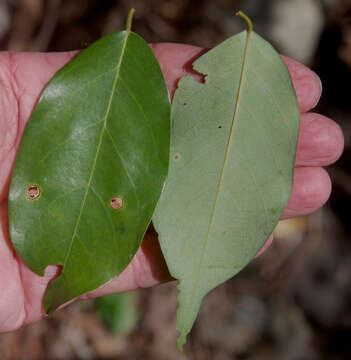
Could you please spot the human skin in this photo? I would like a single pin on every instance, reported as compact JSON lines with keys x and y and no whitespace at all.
{"x":23,"y":77}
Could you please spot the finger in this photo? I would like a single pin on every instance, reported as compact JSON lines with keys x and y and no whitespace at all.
{"x":34,"y":289}
{"x":321,"y":141}
{"x":176,"y":61}
{"x":308,"y":85}
{"x":311,"y":190}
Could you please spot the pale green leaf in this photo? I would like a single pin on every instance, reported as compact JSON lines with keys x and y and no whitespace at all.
{"x":233,"y":148}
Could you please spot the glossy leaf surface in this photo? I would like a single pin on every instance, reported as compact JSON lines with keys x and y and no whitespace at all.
{"x":97,"y":150}
{"x":233,"y":147}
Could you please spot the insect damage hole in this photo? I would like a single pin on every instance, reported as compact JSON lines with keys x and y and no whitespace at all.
{"x":116,"y":203}
{"x":33,"y":192}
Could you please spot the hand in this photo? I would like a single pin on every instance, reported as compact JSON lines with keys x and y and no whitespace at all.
{"x":23,"y":77}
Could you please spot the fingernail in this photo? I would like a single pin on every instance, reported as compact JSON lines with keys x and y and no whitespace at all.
{"x":321,"y":88}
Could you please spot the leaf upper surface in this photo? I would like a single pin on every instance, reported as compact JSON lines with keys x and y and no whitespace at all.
{"x":100,"y":132}
{"x":233,"y":149}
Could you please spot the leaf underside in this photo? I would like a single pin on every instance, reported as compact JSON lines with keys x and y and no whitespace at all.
{"x":233,"y":149}
{"x":100,"y":131}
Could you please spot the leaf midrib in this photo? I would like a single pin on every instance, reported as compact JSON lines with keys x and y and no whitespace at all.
{"x":243,"y":70}
{"x":108,"y":110}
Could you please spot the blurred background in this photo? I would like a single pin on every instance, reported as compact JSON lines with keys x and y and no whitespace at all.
{"x":293,"y":303}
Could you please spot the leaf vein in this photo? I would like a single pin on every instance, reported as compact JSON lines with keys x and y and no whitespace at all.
{"x":104,"y":207}
{"x":69,"y":139}
{"x":123,"y":165}
{"x":137,"y":103}
{"x":108,"y":110}
{"x":276,"y":105}
{"x":236,"y":109}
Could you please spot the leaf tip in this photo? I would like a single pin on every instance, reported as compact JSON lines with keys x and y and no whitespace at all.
{"x":181,"y":342}
{"x":246,"y":19}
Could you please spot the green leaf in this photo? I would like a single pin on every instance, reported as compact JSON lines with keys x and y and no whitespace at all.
{"x":233,"y":148}
{"x":118,"y":312}
{"x":91,"y":166}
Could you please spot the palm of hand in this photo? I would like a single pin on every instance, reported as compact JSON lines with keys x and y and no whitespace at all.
{"x":23,"y":77}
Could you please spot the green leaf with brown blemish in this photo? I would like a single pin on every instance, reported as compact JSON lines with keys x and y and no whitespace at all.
{"x":91,"y":166}
{"x":233,"y":149}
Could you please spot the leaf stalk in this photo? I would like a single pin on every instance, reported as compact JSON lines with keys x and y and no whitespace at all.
{"x":130,"y":19}
{"x":246,"y":19}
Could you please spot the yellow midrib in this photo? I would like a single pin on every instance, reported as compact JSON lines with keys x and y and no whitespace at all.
{"x":108,"y":109}
{"x":243,"y":69}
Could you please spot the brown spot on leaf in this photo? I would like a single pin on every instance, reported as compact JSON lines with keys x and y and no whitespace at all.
{"x":116,"y":203}
{"x":33,"y":192}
